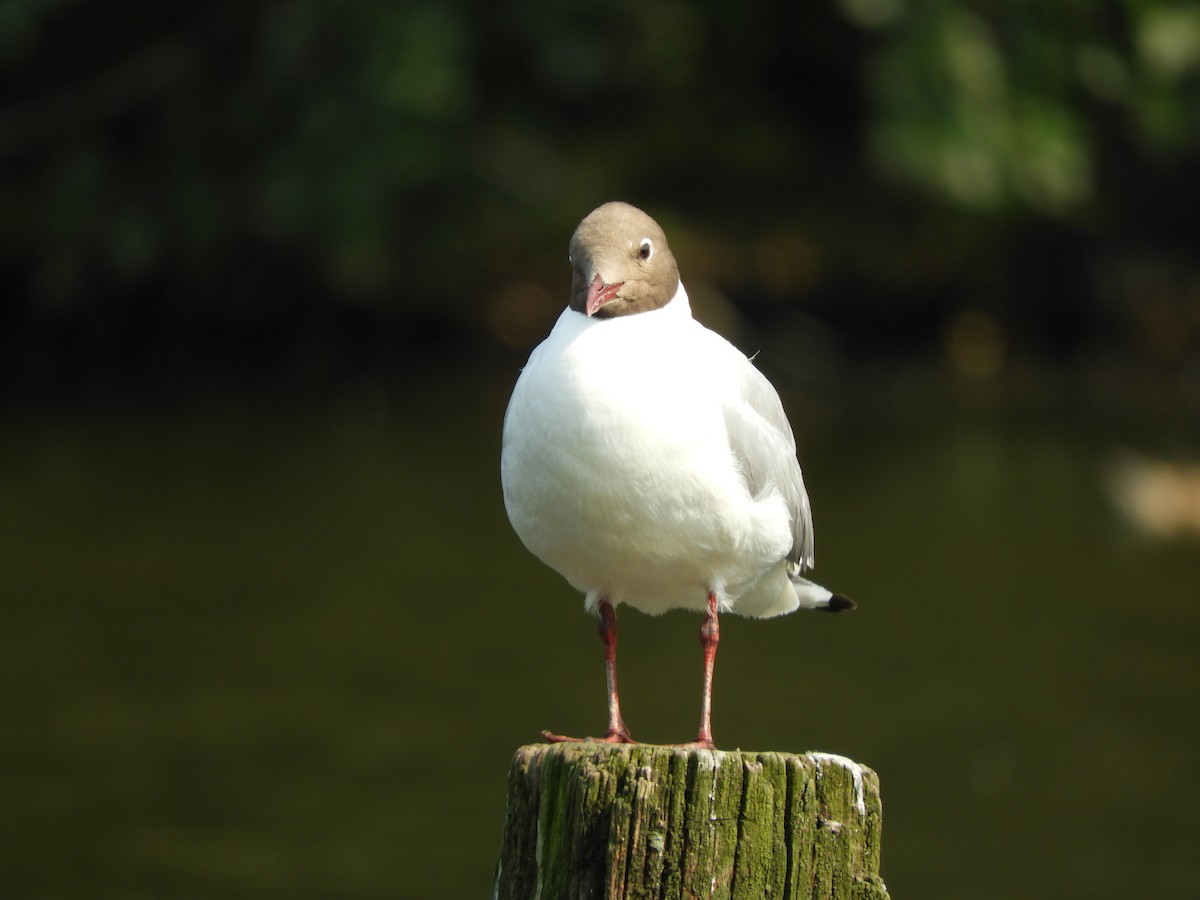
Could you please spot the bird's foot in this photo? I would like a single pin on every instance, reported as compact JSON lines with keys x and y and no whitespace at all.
{"x":613,"y":737}
{"x":697,"y":744}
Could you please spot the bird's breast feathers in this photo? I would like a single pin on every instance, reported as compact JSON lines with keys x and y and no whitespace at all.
{"x":617,"y":465}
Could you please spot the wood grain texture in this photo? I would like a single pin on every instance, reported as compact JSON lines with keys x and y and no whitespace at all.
{"x":641,"y":821}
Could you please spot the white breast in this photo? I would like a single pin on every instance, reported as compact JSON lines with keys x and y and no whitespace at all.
{"x":616,"y":464}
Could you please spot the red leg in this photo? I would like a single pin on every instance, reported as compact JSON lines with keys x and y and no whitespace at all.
{"x":617,"y":732}
{"x":710,"y":636}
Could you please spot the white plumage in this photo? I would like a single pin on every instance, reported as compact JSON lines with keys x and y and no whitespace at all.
{"x":621,"y":470}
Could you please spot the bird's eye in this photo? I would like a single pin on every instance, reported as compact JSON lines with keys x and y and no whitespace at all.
{"x":646,"y":248}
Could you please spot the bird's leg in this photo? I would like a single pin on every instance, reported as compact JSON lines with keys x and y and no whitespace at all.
{"x":617,"y":732}
{"x":608,"y":634}
{"x":710,"y":636}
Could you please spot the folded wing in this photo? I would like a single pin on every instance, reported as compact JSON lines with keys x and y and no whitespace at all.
{"x":762,"y":441}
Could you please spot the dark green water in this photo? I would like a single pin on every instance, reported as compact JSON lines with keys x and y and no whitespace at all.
{"x":255,"y":651}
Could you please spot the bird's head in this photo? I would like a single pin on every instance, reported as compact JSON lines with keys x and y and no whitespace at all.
{"x":620,"y":263}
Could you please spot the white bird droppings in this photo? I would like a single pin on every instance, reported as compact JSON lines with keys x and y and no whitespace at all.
{"x":856,"y":771}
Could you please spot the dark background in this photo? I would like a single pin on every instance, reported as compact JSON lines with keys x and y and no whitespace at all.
{"x":199,"y":194}
{"x":268,"y":273}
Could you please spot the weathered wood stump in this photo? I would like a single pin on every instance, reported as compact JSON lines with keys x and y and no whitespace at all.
{"x":597,"y":820}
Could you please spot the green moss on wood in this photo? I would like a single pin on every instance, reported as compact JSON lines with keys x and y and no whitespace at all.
{"x":638,"y":821}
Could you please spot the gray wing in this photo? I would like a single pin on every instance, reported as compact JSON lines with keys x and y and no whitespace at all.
{"x":762,"y":441}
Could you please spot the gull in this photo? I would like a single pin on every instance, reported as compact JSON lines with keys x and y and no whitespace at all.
{"x":649,"y":462}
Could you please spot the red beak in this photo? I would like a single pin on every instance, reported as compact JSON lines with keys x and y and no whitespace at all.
{"x":600,"y":293}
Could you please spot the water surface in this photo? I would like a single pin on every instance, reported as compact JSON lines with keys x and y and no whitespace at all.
{"x":282,"y":648}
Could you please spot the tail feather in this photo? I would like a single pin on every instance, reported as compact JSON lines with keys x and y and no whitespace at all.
{"x":838,"y":603}
{"x":813,"y":596}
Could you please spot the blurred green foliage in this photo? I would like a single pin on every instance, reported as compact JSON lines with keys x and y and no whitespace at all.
{"x":205,"y":171}
{"x":1011,"y":107}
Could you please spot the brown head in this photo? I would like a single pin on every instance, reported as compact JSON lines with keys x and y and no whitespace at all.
{"x":621,"y":263}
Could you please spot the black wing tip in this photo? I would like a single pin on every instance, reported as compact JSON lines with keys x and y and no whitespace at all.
{"x":838,"y":603}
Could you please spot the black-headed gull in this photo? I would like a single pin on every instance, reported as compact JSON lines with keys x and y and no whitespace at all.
{"x":648,"y":461}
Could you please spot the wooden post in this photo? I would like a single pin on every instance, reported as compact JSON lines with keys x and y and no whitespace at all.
{"x":636,"y":820}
